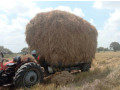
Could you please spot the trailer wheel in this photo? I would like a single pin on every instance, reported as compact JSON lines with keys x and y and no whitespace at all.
{"x":85,"y":67}
{"x":28,"y":75}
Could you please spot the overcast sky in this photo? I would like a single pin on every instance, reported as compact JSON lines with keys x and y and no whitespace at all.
{"x":15,"y":14}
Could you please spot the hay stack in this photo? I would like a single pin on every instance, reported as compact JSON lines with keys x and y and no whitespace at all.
{"x":62,"y":38}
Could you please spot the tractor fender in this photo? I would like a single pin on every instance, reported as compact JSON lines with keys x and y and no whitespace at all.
{"x":21,"y":64}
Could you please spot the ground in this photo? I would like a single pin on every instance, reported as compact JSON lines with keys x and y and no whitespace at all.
{"x":103,"y":75}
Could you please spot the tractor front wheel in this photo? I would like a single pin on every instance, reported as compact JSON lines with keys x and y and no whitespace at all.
{"x":28,"y":75}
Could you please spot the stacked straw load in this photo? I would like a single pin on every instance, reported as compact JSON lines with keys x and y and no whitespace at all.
{"x":62,"y":38}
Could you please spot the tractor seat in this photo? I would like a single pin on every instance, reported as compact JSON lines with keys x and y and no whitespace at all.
{"x":17,"y":59}
{"x":11,"y":65}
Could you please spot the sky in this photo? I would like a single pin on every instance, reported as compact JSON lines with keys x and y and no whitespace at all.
{"x":15,"y":14}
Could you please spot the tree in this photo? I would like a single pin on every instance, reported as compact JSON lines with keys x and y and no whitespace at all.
{"x":1,"y":48}
{"x":25,"y":50}
{"x":106,"y":49}
{"x":5,"y":50}
{"x":115,"y":46}
{"x":100,"y":49}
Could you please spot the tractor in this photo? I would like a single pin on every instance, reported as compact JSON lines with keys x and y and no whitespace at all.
{"x":28,"y":73}
{"x":20,"y":73}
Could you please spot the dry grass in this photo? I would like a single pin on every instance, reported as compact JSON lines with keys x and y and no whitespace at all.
{"x":104,"y":74}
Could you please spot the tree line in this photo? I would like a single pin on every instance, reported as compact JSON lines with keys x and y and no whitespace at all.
{"x":5,"y":50}
{"x":114,"y":46}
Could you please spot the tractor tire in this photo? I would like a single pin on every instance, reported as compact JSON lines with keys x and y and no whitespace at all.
{"x":85,"y":67}
{"x":28,"y":75}
{"x":1,"y":82}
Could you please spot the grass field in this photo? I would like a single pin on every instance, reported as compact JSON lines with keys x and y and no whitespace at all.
{"x":104,"y":75}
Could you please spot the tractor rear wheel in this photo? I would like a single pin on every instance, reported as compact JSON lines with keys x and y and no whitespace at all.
{"x":28,"y":75}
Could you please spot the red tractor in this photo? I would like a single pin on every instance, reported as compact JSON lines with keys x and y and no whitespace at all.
{"x":20,"y":73}
{"x":28,"y":73}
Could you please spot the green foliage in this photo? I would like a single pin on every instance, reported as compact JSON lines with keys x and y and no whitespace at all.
{"x":25,"y":50}
{"x":106,"y":49}
{"x":115,"y":46}
{"x":5,"y":50}
{"x":102,"y":49}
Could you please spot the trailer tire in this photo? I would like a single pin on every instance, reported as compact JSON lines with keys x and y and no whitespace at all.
{"x":28,"y":75}
{"x":85,"y":67}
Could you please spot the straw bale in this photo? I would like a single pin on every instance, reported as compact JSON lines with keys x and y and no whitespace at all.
{"x":62,"y":38}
